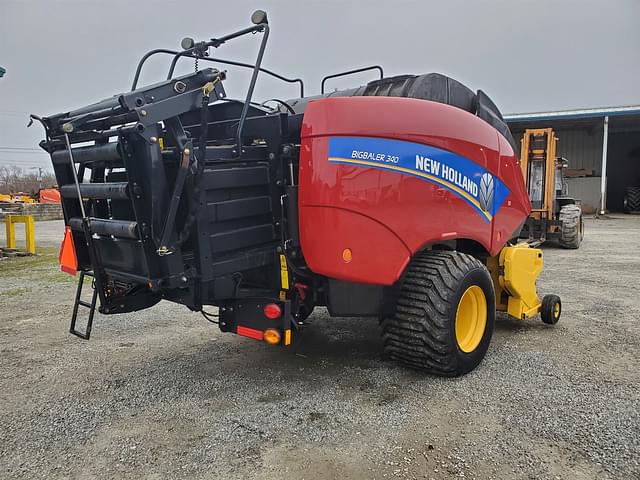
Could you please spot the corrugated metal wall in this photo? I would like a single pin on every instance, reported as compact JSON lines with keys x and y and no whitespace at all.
{"x":582,"y":147}
{"x":587,"y":190}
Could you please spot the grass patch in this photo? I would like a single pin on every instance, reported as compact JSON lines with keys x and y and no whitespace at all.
{"x":14,"y":292}
{"x":46,"y":257}
{"x":60,"y":277}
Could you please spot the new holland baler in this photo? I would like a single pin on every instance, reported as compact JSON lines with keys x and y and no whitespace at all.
{"x":401,"y":199}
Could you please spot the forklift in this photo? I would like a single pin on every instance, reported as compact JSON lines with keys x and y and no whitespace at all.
{"x":555,"y":216}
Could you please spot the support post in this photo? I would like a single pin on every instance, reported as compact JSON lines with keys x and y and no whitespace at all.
{"x":603,"y":178}
{"x":11,"y":232}
{"x":29,"y":231}
{"x":30,"y":234}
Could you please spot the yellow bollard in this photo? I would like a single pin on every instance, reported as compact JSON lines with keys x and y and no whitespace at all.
{"x":11,"y":232}
{"x":29,"y":231}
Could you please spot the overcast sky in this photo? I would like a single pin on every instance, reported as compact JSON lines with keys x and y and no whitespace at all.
{"x":529,"y":55}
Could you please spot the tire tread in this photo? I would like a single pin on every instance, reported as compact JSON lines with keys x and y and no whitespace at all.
{"x":417,"y":334}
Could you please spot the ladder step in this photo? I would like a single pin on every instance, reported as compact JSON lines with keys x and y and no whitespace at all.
{"x":98,"y":191}
{"x":103,"y":226}
{"x":91,"y":306}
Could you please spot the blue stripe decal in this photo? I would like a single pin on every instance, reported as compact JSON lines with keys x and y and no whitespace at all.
{"x":468,"y":180}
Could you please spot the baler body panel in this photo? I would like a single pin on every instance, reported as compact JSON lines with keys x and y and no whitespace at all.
{"x":384,"y":211}
{"x":515,"y":211}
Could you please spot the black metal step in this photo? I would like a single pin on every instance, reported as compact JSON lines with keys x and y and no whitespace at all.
{"x":99,"y":191}
{"x":91,"y":306}
{"x":103,"y":226}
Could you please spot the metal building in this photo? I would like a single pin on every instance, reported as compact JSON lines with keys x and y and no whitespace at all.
{"x":602,"y":146}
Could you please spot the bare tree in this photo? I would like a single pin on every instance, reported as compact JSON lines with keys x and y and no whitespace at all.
{"x":14,"y":179}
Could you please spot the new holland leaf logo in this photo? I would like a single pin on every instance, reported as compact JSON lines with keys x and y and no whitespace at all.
{"x":487,"y":192}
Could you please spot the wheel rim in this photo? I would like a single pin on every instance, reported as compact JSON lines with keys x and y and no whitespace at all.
{"x":471,"y":319}
{"x":556,"y":311}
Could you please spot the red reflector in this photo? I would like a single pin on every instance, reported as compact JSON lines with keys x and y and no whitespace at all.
{"x":272,"y":311}
{"x":249,"y":332}
{"x":67,"y":258}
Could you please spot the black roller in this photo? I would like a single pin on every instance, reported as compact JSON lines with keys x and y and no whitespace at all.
{"x":98,"y":191}
{"x":107,"y":104}
{"x":107,"y":152}
{"x":103,"y":226}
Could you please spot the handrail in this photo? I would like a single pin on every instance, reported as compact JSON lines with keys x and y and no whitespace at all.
{"x":217,"y":60}
{"x":350,"y":72}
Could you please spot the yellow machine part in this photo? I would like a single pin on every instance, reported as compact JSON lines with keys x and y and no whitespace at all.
{"x":514,"y":272}
{"x":29,"y":231}
{"x":24,"y":199}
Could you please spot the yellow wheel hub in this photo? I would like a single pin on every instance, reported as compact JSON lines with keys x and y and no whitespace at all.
{"x":471,"y":319}
{"x":556,"y":311}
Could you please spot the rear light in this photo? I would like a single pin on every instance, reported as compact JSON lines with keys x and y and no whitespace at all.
{"x":271,"y":336}
{"x":272,"y":311}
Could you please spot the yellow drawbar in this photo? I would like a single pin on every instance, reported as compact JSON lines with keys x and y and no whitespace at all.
{"x":520,"y":267}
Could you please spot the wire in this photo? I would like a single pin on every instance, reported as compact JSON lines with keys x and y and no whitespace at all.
{"x":208,"y":316}
{"x":23,"y":149}
{"x":281,"y":102}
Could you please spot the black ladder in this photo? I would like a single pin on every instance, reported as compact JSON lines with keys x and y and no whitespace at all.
{"x":78,"y":303}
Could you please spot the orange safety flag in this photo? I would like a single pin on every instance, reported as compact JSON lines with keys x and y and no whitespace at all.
{"x":67,"y":258}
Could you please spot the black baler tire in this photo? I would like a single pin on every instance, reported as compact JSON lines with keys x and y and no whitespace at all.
{"x":547,"y":311}
{"x":420,"y":331}
{"x":571,"y":226}
{"x":632,"y":199}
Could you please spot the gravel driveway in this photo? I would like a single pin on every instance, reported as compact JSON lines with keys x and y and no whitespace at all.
{"x":162,"y":394}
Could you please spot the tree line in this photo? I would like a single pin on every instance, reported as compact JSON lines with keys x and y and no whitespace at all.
{"x":14,"y":179}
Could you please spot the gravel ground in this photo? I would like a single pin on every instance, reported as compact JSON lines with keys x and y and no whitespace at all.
{"x":162,"y":394}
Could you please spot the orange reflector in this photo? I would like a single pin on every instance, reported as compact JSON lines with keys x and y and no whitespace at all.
{"x":347,"y":255}
{"x":272,"y":311}
{"x":67,"y":258}
{"x":287,"y":336}
{"x":249,"y":332}
{"x":272,"y":336}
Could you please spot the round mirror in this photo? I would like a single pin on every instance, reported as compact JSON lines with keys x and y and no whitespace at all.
{"x":187,"y":43}
{"x":258,"y":17}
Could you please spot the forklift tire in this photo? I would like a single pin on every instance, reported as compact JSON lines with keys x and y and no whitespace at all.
{"x":571,"y":226}
{"x":631,"y":201}
{"x":444,"y":314}
{"x":551,"y":309}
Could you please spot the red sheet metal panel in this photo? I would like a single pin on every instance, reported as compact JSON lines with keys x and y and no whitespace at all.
{"x":387,"y":176}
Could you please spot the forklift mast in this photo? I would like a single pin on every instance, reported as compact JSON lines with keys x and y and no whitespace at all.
{"x":537,"y":160}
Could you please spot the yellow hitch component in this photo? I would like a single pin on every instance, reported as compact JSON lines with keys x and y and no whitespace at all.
{"x":520,"y":266}
{"x":514,"y":272}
